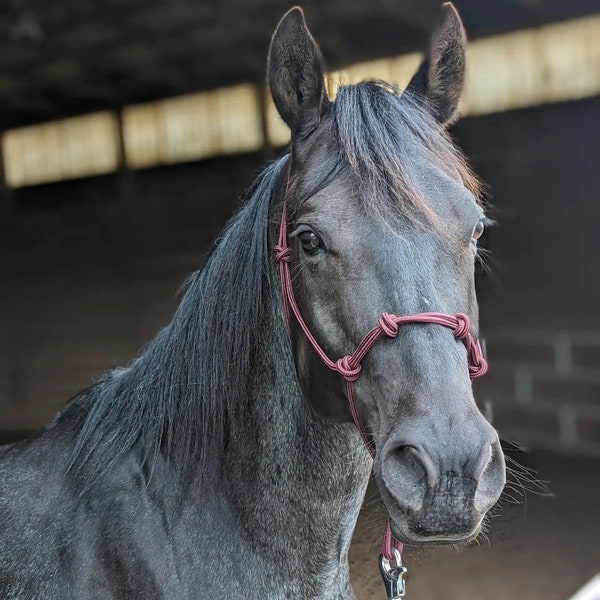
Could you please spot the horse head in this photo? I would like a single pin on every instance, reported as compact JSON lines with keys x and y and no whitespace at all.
{"x":383,"y":217}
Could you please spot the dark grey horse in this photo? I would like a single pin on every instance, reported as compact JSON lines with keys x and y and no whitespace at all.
{"x":222,"y":462}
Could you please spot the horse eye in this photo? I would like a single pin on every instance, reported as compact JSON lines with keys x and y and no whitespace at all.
{"x":310,"y":241}
{"x":478,"y":231}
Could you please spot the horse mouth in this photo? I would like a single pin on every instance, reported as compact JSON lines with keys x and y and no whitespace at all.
{"x":412,"y":538}
{"x":431,"y":527}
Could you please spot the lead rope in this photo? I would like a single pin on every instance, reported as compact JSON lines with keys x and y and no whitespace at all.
{"x":349,"y":368}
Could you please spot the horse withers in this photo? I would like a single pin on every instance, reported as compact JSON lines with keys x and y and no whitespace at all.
{"x":223,"y":460}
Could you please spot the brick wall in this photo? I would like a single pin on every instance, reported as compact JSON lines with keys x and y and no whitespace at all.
{"x":541,"y":303}
{"x":544,"y":387}
{"x":90,"y":270}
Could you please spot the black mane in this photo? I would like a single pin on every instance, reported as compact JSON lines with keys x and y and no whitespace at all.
{"x":189,"y":383}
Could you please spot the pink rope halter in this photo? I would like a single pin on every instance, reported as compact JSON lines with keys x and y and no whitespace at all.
{"x":349,"y":366}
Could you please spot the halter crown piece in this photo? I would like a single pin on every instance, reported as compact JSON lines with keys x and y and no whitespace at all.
{"x":349,"y":368}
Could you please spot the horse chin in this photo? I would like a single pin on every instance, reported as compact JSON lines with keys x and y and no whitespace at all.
{"x":414,"y":529}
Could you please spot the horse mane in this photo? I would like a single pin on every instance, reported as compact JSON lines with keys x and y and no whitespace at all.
{"x":379,"y":128}
{"x":190,"y":383}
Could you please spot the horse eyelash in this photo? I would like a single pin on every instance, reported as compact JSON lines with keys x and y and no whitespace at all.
{"x":481,"y":256}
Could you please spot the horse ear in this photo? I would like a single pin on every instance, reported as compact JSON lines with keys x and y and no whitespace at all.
{"x":441,"y":76}
{"x":295,"y":74}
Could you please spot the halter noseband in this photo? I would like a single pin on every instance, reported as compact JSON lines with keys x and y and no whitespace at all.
{"x":349,"y":366}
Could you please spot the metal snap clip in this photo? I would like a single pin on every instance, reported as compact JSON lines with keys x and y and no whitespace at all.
{"x":393,"y":576}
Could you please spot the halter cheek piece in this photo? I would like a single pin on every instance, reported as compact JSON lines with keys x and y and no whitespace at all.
{"x":349,"y":368}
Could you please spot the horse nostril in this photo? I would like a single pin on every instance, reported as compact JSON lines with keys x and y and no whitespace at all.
{"x":491,"y":479}
{"x":426,"y":462}
{"x":483,"y":460}
{"x":408,"y":471}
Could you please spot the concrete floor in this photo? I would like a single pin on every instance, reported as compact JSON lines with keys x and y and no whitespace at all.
{"x":545,"y":548}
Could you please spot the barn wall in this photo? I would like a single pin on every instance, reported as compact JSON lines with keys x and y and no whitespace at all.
{"x":541,"y":303}
{"x":90,"y":271}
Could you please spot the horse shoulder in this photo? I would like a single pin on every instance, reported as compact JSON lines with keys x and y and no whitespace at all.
{"x":65,"y":533}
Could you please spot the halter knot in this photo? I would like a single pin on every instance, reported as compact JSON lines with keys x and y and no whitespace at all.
{"x":387,"y":324}
{"x":347,"y":368}
{"x":282,"y":253}
{"x":477,"y":364}
{"x":463,"y":326}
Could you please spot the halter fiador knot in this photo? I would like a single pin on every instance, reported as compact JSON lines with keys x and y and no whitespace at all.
{"x":349,"y":366}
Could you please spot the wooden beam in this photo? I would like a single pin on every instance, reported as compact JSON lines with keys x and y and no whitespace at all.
{"x":554,"y":63}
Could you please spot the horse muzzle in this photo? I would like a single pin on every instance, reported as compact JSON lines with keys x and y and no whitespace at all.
{"x":440,"y":495}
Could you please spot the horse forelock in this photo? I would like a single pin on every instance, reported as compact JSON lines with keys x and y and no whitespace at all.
{"x":380,"y":130}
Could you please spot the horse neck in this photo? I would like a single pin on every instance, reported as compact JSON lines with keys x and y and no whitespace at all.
{"x":288,"y":470}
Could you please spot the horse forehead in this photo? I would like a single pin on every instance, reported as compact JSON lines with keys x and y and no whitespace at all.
{"x":348,"y":208}
{"x":446,"y":192}
{"x":329,"y":190}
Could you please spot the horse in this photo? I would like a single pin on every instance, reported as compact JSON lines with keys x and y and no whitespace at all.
{"x":223,"y":460}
